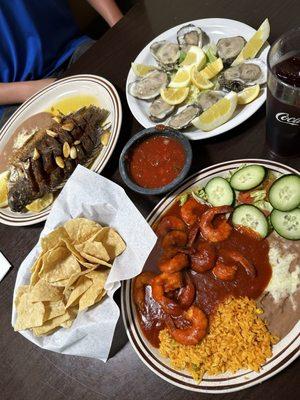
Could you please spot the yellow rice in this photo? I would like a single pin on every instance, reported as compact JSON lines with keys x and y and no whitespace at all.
{"x":238,"y":339}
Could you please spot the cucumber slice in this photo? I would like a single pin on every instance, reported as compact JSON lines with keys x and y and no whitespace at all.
{"x":248,"y":177}
{"x":287,"y":224}
{"x":284,"y":194}
{"x":251,"y":217}
{"x":219,"y":192}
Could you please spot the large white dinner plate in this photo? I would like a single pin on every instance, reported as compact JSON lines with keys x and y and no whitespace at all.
{"x":284,"y":352}
{"x":216,"y":28}
{"x":75,"y":85}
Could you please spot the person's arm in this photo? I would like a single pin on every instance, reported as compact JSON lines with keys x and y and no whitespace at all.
{"x":108,"y":9}
{"x":18,"y":92}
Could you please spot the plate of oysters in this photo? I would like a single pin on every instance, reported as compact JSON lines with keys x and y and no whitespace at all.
{"x":73,"y":121}
{"x":203,"y":77}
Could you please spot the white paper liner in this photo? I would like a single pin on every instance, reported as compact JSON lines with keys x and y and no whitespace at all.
{"x":89,"y":195}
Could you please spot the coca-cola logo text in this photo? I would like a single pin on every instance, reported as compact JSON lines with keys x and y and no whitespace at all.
{"x":286,"y":119}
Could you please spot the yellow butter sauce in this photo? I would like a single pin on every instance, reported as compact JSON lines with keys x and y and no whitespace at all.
{"x":72,"y":103}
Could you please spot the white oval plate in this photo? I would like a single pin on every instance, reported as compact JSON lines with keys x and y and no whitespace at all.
{"x":284,"y":352}
{"x":216,"y":28}
{"x":41,"y":101}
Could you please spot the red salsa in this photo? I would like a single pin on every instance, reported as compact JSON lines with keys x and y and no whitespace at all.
{"x":156,"y":162}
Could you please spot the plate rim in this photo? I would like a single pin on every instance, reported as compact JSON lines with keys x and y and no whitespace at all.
{"x":128,"y":314}
{"x":98,"y":164}
{"x":190,"y":135}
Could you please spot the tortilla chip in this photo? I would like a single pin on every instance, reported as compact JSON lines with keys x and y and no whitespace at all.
{"x":53,"y":238}
{"x":67,"y":324}
{"x":35,"y":269}
{"x":96,"y":250}
{"x":54,"y":309}
{"x":111,"y":240}
{"x":79,"y":257}
{"x":67,"y":293}
{"x":95,"y":261}
{"x":20,"y":291}
{"x":81,"y":229}
{"x":49,"y":326}
{"x":83,"y":284}
{"x":29,"y":314}
{"x":58,"y":264}
{"x":67,"y":270}
{"x":43,"y":291}
{"x":100,"y":296}
{"x":73,"y":278}
{"x":59,"y":284}
{"x":73,"y":311}
{"x":95,"y":290}
{"x":36,"y":263}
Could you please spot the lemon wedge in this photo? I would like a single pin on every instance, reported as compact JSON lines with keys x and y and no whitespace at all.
{"x":195,"y":56}
{"x":212,"y":69}
{"x":249,"y":94}
{"x":142,"y":69}
{"x":254,"y":44}
{"x":199,"y":80}
{"x":182,"y":78}
{"x":217,"y":114}
{"x":4,"y":176}
{"x":174,"y":96}
{"x":41,"y":203}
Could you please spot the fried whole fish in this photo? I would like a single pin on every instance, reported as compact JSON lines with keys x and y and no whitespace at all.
{"x":43,"y":164}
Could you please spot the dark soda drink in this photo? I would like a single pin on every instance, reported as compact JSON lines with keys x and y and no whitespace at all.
{"x":283,"y":98}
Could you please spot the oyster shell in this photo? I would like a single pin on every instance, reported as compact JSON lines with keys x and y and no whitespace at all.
{"x":209,"y":98}
{"x":189,"y":35}
{"x":229,"y":48}
{"x":149,"y":86}
{"x":253,"y":72}
{"x":160,"y":110}
{"x":183,"y":118}
{"x":248,"y":73}
{"x":165,"y":53}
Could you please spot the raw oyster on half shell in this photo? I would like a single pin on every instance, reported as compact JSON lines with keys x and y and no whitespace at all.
{"x":159,"y":110}
{"x":209,"y":98}
{"x":166,"y":54}
{"x":248,"y":73}
{"x":229,"y":48}
{"x":149,"y":86}
{"x":183,"y":119}
{"x":189,"y":35}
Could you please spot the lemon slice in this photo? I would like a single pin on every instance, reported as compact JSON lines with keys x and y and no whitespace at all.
{"x":248,"y":94}
{"x":212,"y":69}
{"x":41,"y":203}
{"x":199,"y":80}
{"x":254,"y":44}
{"x":182,"y":78}
{"x":217,"y":114}
{"x":195,"y":56}
{"x":174,"y":96}
{"x":142,"y":69}
{"x":4,"y":176}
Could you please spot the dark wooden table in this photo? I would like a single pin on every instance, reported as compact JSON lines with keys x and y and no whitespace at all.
{"x":29,"y":373}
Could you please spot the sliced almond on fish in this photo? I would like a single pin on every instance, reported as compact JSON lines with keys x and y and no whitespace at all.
{"x":60,"y":162}
{"x":73,"y":152}
{"x":51,"y":133}
{"x":77,"y":142}
{"x":66,"y":149}
{"x":36,"y":154}
{"x":68,"y":126}
{"x":57,"y":119}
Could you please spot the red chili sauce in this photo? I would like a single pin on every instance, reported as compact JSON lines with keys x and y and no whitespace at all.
{"x":157,"y":161}
{"x":210,"y":291}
